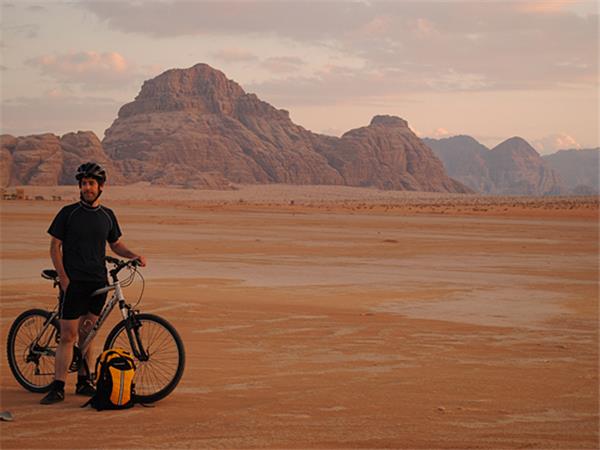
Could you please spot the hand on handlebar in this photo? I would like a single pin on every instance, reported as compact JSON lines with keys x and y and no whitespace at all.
{"x":141,"y":260}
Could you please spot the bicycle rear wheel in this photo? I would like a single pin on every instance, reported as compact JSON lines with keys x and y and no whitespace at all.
{"x":159,"y":375}
{"x":32,"y":361}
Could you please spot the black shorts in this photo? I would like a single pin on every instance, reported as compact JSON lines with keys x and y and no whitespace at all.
{"x":77,"y":301}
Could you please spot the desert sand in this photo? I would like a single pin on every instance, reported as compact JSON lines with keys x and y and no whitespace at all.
{"x":332,"y":317}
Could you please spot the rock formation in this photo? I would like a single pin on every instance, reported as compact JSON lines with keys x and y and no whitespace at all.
{"x":511,"y":168}
{"x":46,"y":159}
{"x":579,"y":169}
{"x":464,"y":160}
{"x":189,"y":124}
{"x":196,"y":120}
{"x":388,"y":155}
{"x":517,"y":169}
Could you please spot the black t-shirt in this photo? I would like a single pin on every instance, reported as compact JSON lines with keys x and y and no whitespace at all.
{"x":84,"y":232}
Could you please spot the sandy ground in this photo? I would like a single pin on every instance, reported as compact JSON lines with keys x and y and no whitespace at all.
{"x":324,"y":317}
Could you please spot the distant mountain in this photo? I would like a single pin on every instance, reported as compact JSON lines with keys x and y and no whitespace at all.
{"x":511,"y":168}
{"x":388,"y":155}
{"x":517,"y":168}
{"x":579,"y":169}
{"x":465,"y":159}
{"x":47,"y":159}
{"x":191,"y":122}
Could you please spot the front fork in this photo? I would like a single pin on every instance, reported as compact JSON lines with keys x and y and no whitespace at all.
{"x":132,"y":327}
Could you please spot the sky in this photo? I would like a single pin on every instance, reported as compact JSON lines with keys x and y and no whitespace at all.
{"x":488,"y":69}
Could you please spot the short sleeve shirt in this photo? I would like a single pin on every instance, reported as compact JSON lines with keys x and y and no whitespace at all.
{"x":84,"y":232}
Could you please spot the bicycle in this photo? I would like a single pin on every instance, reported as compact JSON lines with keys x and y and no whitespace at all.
{"x":157,"y":347}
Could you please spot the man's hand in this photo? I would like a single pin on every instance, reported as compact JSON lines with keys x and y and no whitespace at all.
{"x":64,"y":282}
{"x":121,"y":249}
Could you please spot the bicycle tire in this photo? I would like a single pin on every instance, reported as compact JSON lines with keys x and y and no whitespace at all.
{"x":156,"y":378}
{"x":23,"y":331}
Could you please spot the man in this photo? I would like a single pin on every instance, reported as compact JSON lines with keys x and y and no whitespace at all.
{"x":77,"y":248}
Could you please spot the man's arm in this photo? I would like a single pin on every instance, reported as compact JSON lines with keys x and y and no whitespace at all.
{"x":57,"y":260}
{"x":121,"y":249}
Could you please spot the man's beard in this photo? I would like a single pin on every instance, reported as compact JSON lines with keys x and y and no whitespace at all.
{"x":88,"y":202}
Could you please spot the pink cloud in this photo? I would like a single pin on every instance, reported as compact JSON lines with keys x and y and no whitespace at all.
{"x":543,"y":6}
{"x":554,"y":142}
{"x":87,"y":67}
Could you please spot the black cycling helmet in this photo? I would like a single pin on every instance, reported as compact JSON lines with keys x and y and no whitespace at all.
{"x":91,"y":170}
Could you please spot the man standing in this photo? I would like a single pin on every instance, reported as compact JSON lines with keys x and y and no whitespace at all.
{"x":77,"y":248}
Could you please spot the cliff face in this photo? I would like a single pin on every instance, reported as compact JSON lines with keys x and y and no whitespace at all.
{"x":196,"y":120}
{"x":195,"y":127}
{"x":47,"y":159}
{"x":516,"y":168}
{"x":388,"y":155}
{"x":465,"y":160}
{"x":511,"y":168}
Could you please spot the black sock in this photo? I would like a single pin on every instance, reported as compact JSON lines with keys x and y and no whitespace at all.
{"x":59,"y":385}
{"x":82,"y":379}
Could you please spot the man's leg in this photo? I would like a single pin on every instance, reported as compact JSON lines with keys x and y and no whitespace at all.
{"x":86,"y":324}
{"x":64,"y":352}
{"x":62,"y":360}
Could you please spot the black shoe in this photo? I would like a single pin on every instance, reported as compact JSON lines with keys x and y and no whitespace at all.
{"x":85,"y":388}
{"x":54,"y":396}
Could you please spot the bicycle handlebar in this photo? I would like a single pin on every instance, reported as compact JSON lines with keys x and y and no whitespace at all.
{"x":121,"y":264}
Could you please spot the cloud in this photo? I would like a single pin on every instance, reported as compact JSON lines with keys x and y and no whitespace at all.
{"x":440,"y":133}
{"x":58,"y":112}
{"x":89,"y":68}
{"x":230,"y":55}
{"x":29,"y":31}
{"x":458,"y":45}
{"x":543,"y":6}
{"x":554,"y":142}
{"x":282,"y":64}
{"x":335,"y":84}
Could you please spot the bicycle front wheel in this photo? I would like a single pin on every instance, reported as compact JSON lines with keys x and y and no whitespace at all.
{"x":156,"y":377}
{"x":31,"y":349}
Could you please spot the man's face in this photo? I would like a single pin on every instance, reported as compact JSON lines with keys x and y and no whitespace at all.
{"x":90,"y":189}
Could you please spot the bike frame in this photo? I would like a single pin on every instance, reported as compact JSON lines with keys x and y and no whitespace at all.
{"x":131,"y":324}
{"x":117,"y":297}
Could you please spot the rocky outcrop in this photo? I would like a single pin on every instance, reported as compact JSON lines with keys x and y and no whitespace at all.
{"x":198,"y":122}
{"x":517,"y":169}
{"x":46,"y":159}
{"x":85,"y":146}
{"x":388,"y":155}
{"x":511,"y":168}
{"x":35,"y":159}
{"x":465,"y":160}
{"x":579,"y":169}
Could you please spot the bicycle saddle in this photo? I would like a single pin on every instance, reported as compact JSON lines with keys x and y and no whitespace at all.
{"x":50,"y":274}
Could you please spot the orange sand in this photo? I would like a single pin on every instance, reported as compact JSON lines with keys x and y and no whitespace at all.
{"x":350,"y":318}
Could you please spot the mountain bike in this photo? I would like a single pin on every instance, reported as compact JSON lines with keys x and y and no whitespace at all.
{"x":157,"y":347}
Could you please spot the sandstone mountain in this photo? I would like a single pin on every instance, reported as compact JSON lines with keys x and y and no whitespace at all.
{"x":47,"y":159}
{"x":511,"y":168}
{"x":388,"y":155}
{"x":194,"y":123}
{"x":579,"y":169}
{"x":465,"y":160}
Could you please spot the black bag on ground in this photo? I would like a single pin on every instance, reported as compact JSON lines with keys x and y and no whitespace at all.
{"x":115,"y":389}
